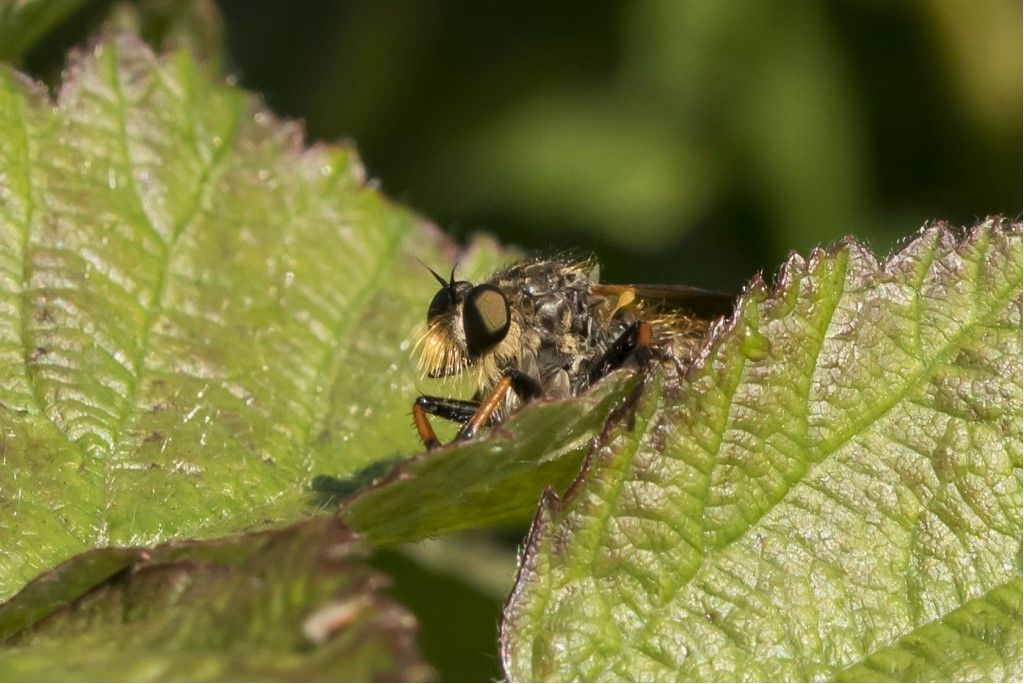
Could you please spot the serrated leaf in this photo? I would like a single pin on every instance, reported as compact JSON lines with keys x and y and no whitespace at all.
{"x":198,"y":316}
{"x":834,"y":493}
{"x":293,"y":603}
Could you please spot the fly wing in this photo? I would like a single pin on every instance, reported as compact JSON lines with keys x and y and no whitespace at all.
{"x":690,"y":301}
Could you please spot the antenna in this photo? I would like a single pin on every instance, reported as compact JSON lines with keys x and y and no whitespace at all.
{"x":437,"y":276}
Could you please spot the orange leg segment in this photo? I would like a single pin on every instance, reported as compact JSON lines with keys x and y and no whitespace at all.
{"x":512,"y":381}
{"x":487,"y":408}
{"x":427,"y":434}
{"x":471,"y":415}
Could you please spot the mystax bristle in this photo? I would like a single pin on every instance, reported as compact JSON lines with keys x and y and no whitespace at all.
{"x":440,"y":355}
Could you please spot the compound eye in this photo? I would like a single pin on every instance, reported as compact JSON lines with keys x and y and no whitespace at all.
{"x":440,"y":304}
{"x":485,"y":318}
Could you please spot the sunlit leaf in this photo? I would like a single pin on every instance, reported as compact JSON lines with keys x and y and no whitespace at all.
{"x":198,"y":315}
{"x":833,"y":493}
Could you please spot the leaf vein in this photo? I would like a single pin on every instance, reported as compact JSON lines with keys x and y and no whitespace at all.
{"x":203,"y":187}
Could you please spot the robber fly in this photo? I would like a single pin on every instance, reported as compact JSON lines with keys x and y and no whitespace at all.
{"x":547,"y":328}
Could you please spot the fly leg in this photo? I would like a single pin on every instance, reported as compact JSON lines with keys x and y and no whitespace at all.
{"x":455,"y":410}
{"x":525,"y":387}
{"x":636,"y":339}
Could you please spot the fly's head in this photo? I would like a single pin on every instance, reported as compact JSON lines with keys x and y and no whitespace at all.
{"x":468,"y":326}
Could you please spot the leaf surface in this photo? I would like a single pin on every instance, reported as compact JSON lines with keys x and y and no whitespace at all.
{"x":496,"y":479}
{"x":198,"y":315}
{"x":834,"y":492}
{"x":293,"y":603}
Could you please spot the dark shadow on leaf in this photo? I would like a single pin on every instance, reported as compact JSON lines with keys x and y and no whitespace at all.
{"x":330,"y":491}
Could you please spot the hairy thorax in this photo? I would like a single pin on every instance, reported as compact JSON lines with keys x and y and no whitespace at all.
{"x":563,"y":325}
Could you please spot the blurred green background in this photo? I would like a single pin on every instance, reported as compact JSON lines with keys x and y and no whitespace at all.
{"x":680,"y":141}
{"x":691,"y":142}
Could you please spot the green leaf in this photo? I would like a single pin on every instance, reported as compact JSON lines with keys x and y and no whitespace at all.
{"x":833,"y":492}
{"x":198,"y":315}
{"x":980,"y":641}
{"x":287,"y":604}
{"x":23,"y":23}
{"x":493,"y":480}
